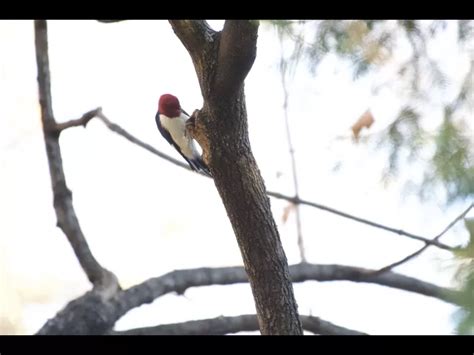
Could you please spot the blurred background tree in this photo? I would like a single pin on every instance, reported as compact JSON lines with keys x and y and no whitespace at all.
{"x":434,"y":125}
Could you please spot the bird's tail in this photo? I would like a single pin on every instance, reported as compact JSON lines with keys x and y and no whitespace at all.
{"x":198,"y":164}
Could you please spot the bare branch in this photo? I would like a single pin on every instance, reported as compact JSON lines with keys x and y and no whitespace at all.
{"x":317,"y":325}
{"x":359,"y":219}
{"x":237,"y":52}
{"x":110,"y":21}
{"x":67,"y":220}
{"x":293,"y":161}
{"x":122,"y":132}
{"x":228,"y":325}
{"x":91,"y":314}
{"x":194,"y":34}
{"x":83,"y":121}
{"x":201,"y":42}
{"x":213,"y":326}
{"x":421,"y":250}
{"x":179,"y":281}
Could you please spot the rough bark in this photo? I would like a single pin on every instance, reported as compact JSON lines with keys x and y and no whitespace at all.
{"x":90,"y":314}
{"x":222,"y":61}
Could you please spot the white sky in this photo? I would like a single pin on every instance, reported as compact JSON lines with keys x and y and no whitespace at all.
{"x":144,"y":217}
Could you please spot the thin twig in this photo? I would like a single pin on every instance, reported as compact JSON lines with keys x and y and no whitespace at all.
{"x":361,"y":220}
{"x":83,"y":121}
{"x":122,"y":132}
{"x":421,"y":250}
{"x":293,"y":162}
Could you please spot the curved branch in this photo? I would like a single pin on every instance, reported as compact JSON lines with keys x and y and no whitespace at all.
{"x":229,"y":325}
{"x":179,"y":281}
{"x":101,"y":278}
{"x":92,"y":314}
{"x":110,"y":21}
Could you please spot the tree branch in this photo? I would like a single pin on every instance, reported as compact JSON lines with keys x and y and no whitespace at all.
{"x":102,"y":279}
{"x":120,"y":131}
{"x":360,"y":220}
{"x":110,"y":21}
{"x":228,"y":325}
{"x":195,"y":35}
{"x":236,"y":55}
{"x":421,"y":250}
{"x":83,"y":121}
{"x":293,"y":160}
{"x":296,"y":200}
{"x":200,"y":40}
{"x":179,"y":281}
{"x":91,"y":314}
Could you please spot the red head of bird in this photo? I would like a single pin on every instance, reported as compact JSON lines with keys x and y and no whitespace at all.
{"x":169,"y":106}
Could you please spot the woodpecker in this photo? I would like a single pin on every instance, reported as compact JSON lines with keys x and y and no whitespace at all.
{"x":171,"y":121}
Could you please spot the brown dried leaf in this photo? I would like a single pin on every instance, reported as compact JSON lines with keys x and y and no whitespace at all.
{"x":286,"y":212}
{"x":366,"y":120}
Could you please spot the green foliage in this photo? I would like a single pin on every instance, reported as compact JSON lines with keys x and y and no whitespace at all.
{"x":465,"y":279}
{"x":453,"y":160}
{"x":360,"y":42}
{"x":368,"y":45}
{"x":404,"y":131}
{"x":446,"y":153}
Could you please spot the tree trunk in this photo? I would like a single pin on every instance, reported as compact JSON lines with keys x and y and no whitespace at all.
{"x":222,"y":61}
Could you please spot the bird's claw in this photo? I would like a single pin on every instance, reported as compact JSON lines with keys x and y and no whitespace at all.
{"x":191,"y":123}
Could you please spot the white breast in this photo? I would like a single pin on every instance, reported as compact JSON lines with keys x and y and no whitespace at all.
{"x":177,"y":128}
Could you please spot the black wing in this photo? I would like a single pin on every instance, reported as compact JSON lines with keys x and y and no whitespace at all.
{"x":196,"y":164}
{"x":165,"y":132}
